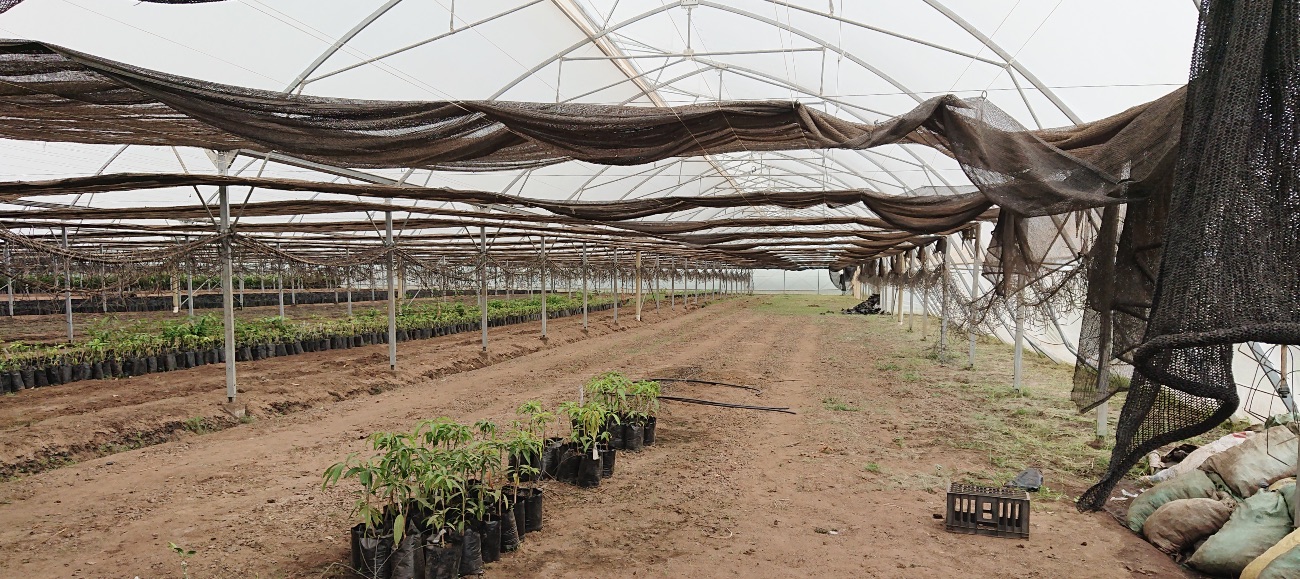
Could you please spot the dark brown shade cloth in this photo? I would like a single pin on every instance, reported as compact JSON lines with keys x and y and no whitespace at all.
{"x":917,"y":214}
{"x":51,"y":93}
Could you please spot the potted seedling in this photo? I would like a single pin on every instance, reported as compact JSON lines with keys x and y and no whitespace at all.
{"x":544,"y":458}
{"x":611,"y":388}
{"x":645,"y":408}
{"x":390,"y":489}
{"x":588,"y":431}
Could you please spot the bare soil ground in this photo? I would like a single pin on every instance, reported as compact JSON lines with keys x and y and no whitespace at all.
{"x":881,"y":428}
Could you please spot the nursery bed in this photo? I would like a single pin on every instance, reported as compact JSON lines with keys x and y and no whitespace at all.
{"x":722,"y":493}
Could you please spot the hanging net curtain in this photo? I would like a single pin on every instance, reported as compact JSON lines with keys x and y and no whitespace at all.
{"x":1232,"y":240}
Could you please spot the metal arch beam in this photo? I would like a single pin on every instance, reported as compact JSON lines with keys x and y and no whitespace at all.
{"x":816,"y":39}
{"x":599,"y":37}
{"x":591,"y":38}
{"x":338,"y":44}
{"x":886,"y":32}
{"x":1011,"y":61}
{"x":602,"y":33}
{"x":408,"y":47}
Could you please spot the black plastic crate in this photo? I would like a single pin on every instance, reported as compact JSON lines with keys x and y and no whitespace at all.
{"x":999,"y":512}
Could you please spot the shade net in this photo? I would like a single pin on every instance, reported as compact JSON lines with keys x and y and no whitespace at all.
{"x":51,"y":93}
{"x":1232,"y":238}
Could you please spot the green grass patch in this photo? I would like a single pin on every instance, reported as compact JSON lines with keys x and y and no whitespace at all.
{"x":837,"y":406}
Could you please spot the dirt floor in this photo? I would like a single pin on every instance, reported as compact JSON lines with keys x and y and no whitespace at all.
{"x":881,"y":428}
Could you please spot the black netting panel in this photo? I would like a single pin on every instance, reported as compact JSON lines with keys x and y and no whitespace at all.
{"x":1228,"y":273}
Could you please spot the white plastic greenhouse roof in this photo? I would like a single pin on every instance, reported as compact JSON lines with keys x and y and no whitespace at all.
{"x":1046,"y":63}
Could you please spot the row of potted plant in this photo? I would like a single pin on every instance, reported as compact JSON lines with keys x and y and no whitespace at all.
{"x":446,"y":498}
{"x":114,"y":351}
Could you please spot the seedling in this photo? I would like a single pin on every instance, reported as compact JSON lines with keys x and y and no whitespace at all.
{"x":184,"y":554}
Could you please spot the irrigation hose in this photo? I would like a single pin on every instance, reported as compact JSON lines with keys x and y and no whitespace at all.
{"x":785,"y":410}
{"x":703,"y":382}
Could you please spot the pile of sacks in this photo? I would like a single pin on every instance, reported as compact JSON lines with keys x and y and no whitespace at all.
{"x":1229,"y":513}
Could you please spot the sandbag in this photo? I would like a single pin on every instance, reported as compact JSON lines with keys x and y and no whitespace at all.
{"x":1198,"y":457}
{"x":1286,"y":551}
{"x":1264,"y":459}
{"x":1193,"y":485}
{"x":1285,"y":566}
{"x":1179,"y":524}
{"x":1257,"y":524}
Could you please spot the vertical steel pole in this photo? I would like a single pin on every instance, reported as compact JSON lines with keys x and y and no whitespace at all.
{"x":902,"y":288}
{"x":543,"y":278}
{"x":1016,"y":362}
{"x":227,"y":272}
{"x":911,"y":291}
{"x":639,"y":282}
{"x":943,"y":278}
{"x":392,"y":293}
{"x":697,"y":289}
{"x":1284,"y":367}
{"x":584,"y":286}
{"x":974,"y":291}
{"x":279,"y":284}
{"x":189,"y":287}
{"x":617,"y":296}
{"x":654,"y":285}
{"x":347,"y":273}
{"x":672,"y":284}
{"x":482,"y":288}
{"x":103,"y":284}
{"x":67,"y":284}
{"x":9,"y":285}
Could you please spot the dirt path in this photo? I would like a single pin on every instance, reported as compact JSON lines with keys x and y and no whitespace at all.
{"x":723,"y":493}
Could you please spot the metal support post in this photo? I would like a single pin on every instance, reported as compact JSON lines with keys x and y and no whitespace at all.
{"x":672,"y":284}
{"x":227,"y":272}
{"x":617,"y":297}
{"x":696,"y":292}
{"x":67,"y":285}
{"x":392,"y":293}
{"x":943,"y":278}
{"x":974,"y":291}
{"x":654,"y":285}
{"x":347,"y":274}
{"x":279,"y":284}
{"x":584,"y":287}
{"x":543,"y":278}
{"x":482,"y":288}
{"x":1017,"y":360}
{"x":639,"y":282}
{"x":9,"y":285}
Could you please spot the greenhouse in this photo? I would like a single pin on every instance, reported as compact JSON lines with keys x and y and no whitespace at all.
{"x":583,"y":288}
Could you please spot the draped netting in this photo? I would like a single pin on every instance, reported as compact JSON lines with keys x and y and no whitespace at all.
{"x":1231,"y":241}
{"x":51,"y":93}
